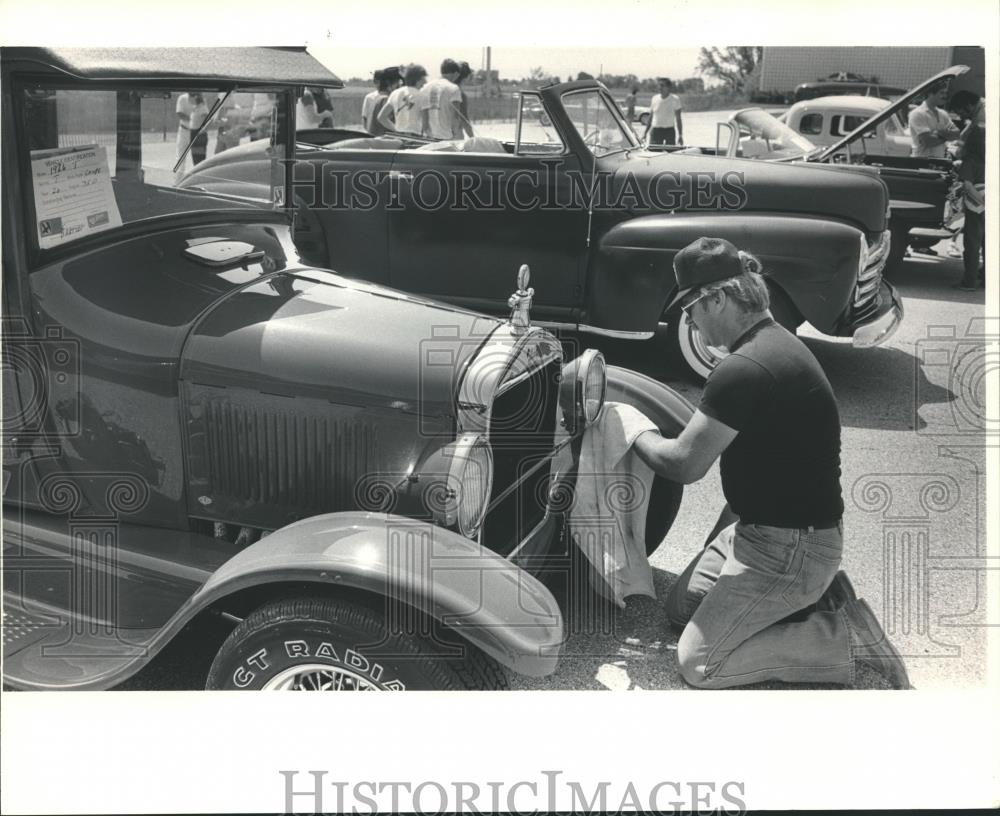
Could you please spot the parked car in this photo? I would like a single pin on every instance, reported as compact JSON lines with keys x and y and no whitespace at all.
{"x":828,"y":119}
{"x":925,"y":196}
{"x":198,"y":423}
{"x":847,"y":84}
{"x":598,"y":218}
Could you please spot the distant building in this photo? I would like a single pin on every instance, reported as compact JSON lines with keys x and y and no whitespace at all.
{"x":784,"y":67}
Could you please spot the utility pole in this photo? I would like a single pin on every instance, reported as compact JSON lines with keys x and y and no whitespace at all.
{"x":489,"y":55}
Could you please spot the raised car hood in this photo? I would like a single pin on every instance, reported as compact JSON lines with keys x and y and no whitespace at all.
{"x":885,"y":113}
{"x":749,"y":185}
{"x":309,"y":332}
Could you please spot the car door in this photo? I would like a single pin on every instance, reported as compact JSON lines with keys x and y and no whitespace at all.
{"x":465,"y":215}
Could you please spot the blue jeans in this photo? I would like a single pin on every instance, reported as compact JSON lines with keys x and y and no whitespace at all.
{"x":734,"y":597}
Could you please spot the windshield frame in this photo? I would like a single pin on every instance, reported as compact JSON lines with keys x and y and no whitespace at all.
{"x":616,"y":115}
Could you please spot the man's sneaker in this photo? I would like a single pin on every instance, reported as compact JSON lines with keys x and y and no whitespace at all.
{"x":838,"y":594}
{"x":871,"y":646}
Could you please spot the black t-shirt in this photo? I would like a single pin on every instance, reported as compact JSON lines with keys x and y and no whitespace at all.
{"x":783,"y":468}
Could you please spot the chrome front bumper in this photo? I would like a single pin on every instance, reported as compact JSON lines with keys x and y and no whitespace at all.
{"x":880,"y":329}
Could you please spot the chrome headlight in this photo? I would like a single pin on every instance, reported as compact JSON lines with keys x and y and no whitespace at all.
{"x":584,"y":386}
{"x":470,"y":481}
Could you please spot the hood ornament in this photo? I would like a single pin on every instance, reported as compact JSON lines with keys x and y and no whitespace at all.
{"x":520,"y":302}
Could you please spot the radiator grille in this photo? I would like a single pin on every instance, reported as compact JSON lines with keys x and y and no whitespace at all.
{"x":522,"y":451}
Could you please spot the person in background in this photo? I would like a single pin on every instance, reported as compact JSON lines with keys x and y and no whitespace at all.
{"x":769,"y":414}
{"x":389,"y":80}
{"x":464,"y":72}
{"x":231,"y":126}
{"x":184,"y":108}
{"x":324,"y":107}
{"x":261,"y":114}
{"x":198,"y":115}
{"x":665,"y":116}
{"x":630,"y":104}
{"x":405,"y":109}
{"x":972,"y":173}
{"x":442,"y":118}
{"x":369,"y":101}
{"x":931,"y":127}
{"x":306,"y":116}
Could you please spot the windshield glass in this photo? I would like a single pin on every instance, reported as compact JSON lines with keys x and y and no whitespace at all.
{"x":536,"y":134}
{"x":763,"y":135}
{"x":598,"y":122}
{"x":99,"y":159}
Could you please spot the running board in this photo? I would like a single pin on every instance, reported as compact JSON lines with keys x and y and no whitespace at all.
{"x":47,"y":651}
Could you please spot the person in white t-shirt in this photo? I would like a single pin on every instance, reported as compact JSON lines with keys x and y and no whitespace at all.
{"x":665,"y":126}
{"x":389,"y":79}
{"x":444,"y":104}
{"x":405,"y":111}
{"x":931,"y":127}
{"x":191,"y":113}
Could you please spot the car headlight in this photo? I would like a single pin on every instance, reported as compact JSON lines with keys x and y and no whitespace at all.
{"x":595,"y":386}
{"x":470,"y":481}
{"x":584,"y":387}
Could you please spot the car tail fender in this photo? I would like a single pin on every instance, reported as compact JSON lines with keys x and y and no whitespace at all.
{"x":494,"y":605}
{"x":814,"y":260}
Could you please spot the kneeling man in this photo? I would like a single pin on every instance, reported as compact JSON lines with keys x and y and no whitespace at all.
{"x":768,"y":410}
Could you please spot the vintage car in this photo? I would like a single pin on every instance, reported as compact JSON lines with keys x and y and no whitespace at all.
{"x":828,"y":119}
{"x":845,"y":83}
{"x":369,"y":486}
{"x":597,"y":217}
{"x":924,"y":194}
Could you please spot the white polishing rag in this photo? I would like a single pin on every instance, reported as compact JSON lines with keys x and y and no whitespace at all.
{"x":607,"y":519}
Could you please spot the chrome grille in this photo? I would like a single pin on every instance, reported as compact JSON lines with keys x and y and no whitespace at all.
{"x":864,"y":303}
{"x":521,"y":433}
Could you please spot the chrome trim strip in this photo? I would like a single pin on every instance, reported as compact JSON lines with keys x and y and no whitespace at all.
{"x":616,"y":333}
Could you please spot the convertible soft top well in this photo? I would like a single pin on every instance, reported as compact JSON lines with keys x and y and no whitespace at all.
{"x":263,"y":66}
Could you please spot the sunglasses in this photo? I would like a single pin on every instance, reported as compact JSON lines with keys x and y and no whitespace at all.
{"x":686,"y":308}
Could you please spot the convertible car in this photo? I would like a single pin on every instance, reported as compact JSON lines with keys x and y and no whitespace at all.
{"x":924,"y":194}
{"x":598,"y":218}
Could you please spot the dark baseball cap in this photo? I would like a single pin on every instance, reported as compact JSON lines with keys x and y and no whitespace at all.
{"x":704,"y":261}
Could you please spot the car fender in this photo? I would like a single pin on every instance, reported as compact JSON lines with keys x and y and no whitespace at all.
{"x":667,"y":409}
{"x":670,"y":412}
{"x":631,"y":279}
{"x":497,"y":607}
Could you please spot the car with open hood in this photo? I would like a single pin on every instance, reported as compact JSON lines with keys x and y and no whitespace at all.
{"x":598,"y":218}
{"x":369,"y":486}
{"x":925,"y":197}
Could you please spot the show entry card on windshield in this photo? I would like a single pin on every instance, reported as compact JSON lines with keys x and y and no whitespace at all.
{"x":73,"y":193}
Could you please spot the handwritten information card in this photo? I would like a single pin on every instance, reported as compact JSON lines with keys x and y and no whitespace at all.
{"x":73,"y":194}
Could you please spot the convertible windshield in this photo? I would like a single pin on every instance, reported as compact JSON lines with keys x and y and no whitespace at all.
{"x":763,"y":135}
{"x":598,"y":122}
{"x":99,"y":159}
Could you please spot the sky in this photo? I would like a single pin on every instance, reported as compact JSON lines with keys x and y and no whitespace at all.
{"x":513,"y":62}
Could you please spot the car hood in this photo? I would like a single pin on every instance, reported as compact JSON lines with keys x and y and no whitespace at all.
{"x":898,"y":105}
{"x":310,"y":332}
{"x":676,"y":181}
